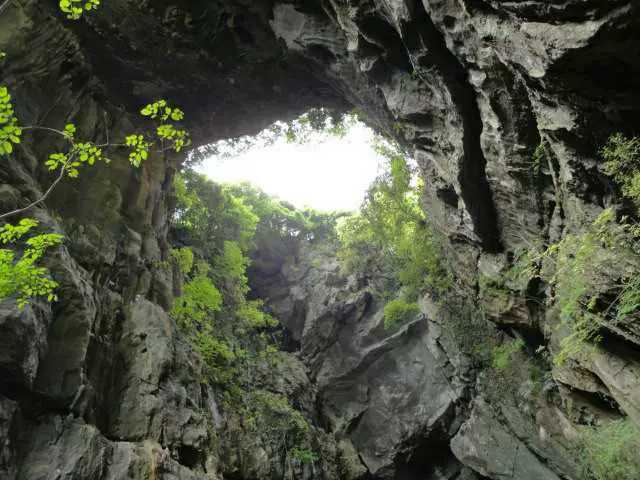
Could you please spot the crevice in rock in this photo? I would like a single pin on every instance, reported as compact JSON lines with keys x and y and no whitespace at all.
{"x":475,"y":190}
{"x":189,"y":456}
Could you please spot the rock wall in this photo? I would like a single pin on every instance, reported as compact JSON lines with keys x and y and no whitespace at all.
{"x":100,"y":385}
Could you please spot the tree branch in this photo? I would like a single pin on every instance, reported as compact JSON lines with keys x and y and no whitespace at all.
{"x":40,"y":200}
{"x":4,"y":5}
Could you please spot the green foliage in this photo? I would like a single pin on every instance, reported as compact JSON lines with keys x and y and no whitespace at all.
{"x":525,"y":266}
{"x":539,"y":159}
{"x":622,"y":161}
{"x":232,"y":263}
{"x":593,"y":273}
{"x":81,"y":153}
{"x":219,"y":228}
{"x":281,"y":219}
{"x":18,"y":272}
{"x":200,"y":299}
{"x":20,"y":276}
{"x":140,"y":149}
{"x":166,"y":131}
{"x":398,"y":311}
{"x":205,"y":214}
{"x":628,"y":301}
{"x":272,"y":416}
{"x":75,"y":8}
{"x":305,"y":455}
{"x":10,"y":132}
{"x":611,"y":452}
{"x":586,"y":270}
{"x":162,"y":111}
{"x":502,"y":355}
{"x":194,"y":312}
{"x":234,"y":336}
{"x":252,"y":315}
{"x":390,"y":238}
{"x":183,"y":257}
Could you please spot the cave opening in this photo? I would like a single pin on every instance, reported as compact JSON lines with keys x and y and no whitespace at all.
{"x":323,"y":160}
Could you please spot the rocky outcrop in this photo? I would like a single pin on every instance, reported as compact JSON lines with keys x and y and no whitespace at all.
{"x":99,"y":385}
{"x":484,"y":444}
{"x":400,"y":401}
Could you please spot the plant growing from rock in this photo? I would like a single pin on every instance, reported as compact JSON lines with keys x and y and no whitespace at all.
{"x":610,"y":452}
{"x":502,"y":355}
{"x":622,"y":161}
{"x":273,"y":417}
{"x":390,"y":240}
{"x":20,"y":275}
{"x":398,"y":311}
{"x":593,"y":272}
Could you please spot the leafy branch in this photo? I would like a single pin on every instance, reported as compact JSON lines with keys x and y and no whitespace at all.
{"x":20,"y":276}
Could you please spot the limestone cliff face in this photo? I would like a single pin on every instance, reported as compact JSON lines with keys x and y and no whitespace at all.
{"x":101,"y":386}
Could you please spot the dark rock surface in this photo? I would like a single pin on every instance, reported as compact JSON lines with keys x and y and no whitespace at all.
{"x":100,"y":386}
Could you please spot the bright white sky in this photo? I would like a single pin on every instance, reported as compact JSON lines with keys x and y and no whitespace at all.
{"x":325,"y":174}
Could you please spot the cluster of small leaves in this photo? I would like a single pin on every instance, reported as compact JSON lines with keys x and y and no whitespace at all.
{"x":539,"y":159}
{"x":20,"y":276}
{"x":167,"y":131}
{"x":273,"y":416}
{"x":622,"y":161}
{"x":177,"y":138}
{"x":80,"y":153}
{"x":183,"y":257}
{"x":74,"y":9}
{"x":304,"y":454}
{"x":502,"y":355}
{"x":398,"y":311}
{"x":140,"y":149}
{"x":525,"y":266}
{"x":465,"y":325}
{"x":253,"y":315}
{"x":162,"y":111}
{"x":10,"y":132}
{"x":610,"y":452}
{"x":200,"y":299}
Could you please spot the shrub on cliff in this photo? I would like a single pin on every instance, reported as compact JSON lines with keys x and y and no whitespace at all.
{"x":398,"y":311}
{"x":611,"y":452}
{"x":390,"y":240}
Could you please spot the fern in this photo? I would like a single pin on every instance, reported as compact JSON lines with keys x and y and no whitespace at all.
{"x":610,"y":452}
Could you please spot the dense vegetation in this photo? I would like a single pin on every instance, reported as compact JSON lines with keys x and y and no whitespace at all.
{"x":611,"y":452}
{"x":591,"y":277}
{"x":390,"y":240}
{"x":214,"y":229}
{"x":592,"y":272}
